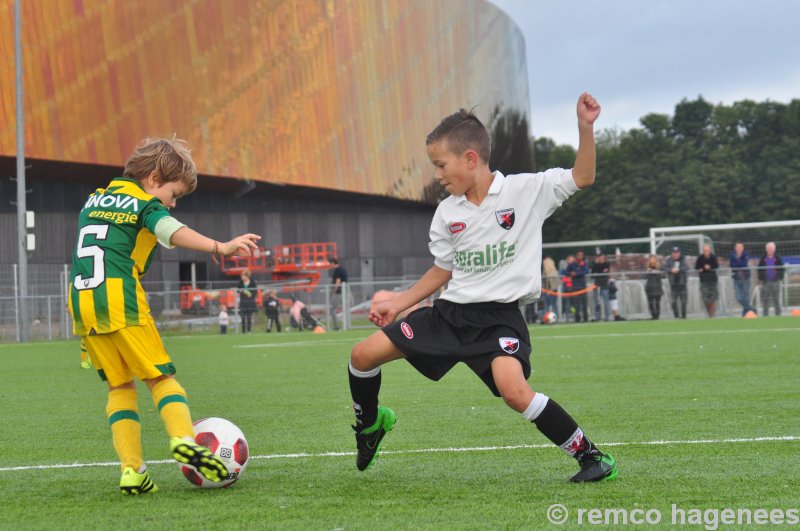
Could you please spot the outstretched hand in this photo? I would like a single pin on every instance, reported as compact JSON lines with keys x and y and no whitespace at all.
{"x":588,"y":109}
{"x":243,"y":245}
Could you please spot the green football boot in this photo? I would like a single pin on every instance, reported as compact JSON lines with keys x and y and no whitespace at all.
{"x":368,"y":440}
{"x":596,"y":466}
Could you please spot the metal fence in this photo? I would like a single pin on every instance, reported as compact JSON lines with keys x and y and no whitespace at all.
{"x":48,"y":318}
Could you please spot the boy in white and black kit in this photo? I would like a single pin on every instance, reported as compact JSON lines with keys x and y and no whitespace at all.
{"x":486,"y":240}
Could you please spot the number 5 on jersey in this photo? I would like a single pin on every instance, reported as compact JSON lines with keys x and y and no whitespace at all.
{"x":96,"y":253}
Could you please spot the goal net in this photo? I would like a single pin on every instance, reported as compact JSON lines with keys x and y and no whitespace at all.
{"x":628,"y":259}
{"x":723,"y":239}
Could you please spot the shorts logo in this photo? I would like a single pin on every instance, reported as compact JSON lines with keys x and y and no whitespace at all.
{"x":457,"y":226}
{"x":406,"y":329}
{"x":505,"y":217}
{"x":509,"y":344}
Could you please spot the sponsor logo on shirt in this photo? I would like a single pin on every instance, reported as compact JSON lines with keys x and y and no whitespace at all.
{"x":487,"y":259}
{"x":509,"y":344}
{"x":457,"y":226}
{"x":505,"y":218}
{"x":407,"y":331}
{"x":118,"y":201}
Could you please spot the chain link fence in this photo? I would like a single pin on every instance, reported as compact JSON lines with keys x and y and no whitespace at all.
{"x":184,"y":309}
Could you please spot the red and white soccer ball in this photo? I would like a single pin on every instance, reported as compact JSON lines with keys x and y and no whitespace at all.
{"x":550,"y":318}
{"x":227,"y":442}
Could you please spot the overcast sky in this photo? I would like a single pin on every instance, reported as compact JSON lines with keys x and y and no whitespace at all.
{"x":642,"y":56}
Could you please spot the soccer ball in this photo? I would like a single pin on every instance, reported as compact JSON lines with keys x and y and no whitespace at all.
{"x":227,"y":442}
{"x":550,"y":318}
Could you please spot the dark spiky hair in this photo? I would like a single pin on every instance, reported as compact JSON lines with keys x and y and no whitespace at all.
{"x":462,"y":131}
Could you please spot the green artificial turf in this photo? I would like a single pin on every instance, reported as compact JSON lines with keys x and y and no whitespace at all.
{"x":681,"y":405}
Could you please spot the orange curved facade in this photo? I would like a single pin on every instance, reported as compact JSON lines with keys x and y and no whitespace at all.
{"x":331,"y":94}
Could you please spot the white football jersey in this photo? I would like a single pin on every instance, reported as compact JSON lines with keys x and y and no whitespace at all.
{"x":495,"y":250}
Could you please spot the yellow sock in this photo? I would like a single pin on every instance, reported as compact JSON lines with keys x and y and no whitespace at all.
{"x":170,"y":400}
{"x":126,"y":431}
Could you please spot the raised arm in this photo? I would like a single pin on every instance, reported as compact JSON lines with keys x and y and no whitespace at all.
{"x":586,"y":159}
{"x":385,"y":312}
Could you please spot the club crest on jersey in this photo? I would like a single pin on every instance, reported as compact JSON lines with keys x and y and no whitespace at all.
{"x":457,"y":226}
{"x":407,"y":331}
{"x":505,"y":217}
{"x":509,"y":344}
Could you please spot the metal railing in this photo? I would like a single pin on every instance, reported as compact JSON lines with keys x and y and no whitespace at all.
{"x":48,"y":318}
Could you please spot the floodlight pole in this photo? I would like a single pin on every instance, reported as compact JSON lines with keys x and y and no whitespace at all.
{"x":22,"y":236}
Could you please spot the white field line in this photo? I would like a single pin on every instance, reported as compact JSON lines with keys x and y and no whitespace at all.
{"x":432,"y":450}
{"x":297,"y":343}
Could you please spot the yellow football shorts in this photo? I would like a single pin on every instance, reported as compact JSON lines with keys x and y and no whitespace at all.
{"x":133,"y":351}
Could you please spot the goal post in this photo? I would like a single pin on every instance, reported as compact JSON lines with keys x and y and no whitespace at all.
{"x":723,"y":237}
{"x":754,"y":236}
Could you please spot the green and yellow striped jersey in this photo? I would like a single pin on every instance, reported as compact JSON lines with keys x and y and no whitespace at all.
{"x":116,"y":239}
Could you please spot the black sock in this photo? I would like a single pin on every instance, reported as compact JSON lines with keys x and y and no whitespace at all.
{"x":364,"y":388}
{"x":558,"y":426}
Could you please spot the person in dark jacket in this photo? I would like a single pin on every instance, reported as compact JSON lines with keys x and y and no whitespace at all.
{"x":653,"y":287}
{"x":770,"y":274}
{"x":707,"y":265}
{"x":739,"y":262}
{"x":600,"y":270}
{"x":272,"y":310}
{"x":247,"y":300}
{"x":577,"y":272}
{"x":339,"y":277}
{"x":612,"y":300}
{"x":676,"y":272}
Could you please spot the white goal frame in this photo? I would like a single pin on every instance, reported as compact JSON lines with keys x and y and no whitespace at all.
{"x":659,"y":235}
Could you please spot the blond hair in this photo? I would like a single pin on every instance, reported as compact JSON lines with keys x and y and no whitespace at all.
{"x":170,"y":159}
{"x":549,"y":267}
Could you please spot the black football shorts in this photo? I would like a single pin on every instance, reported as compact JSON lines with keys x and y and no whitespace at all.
{"x":435,"y":338}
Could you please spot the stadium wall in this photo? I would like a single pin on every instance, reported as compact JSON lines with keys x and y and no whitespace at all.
{"x":306,"y":119}
{"x":329,"y":94}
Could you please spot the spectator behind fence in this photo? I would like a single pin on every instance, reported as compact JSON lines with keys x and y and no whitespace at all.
{"x":296,"y":314}
{"x":224,"y":319}
{"x":339,"y":276}
{"x":770,"y":274}
{"x":612,"y":300}
{"x":566,"y":289}
{"x":578,"y":271}
{"x":272,"y":309}
{"x":676,"y":272}
{"x":550,"y":282}
{"x":739,"y":262}
{"x":653,"y":287}
{"x":707,"y":265}
{"x":247,"y":300}
{"x":600,"y":270}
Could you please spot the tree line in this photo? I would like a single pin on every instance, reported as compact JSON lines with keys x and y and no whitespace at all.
{"x":704,"y":164}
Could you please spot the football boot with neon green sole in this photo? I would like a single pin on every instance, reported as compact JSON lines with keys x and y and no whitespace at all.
{"x":368,"y":440}
{"x":133,"y":482}
{"x":201,"y":458}
{"x":596,"y":466}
